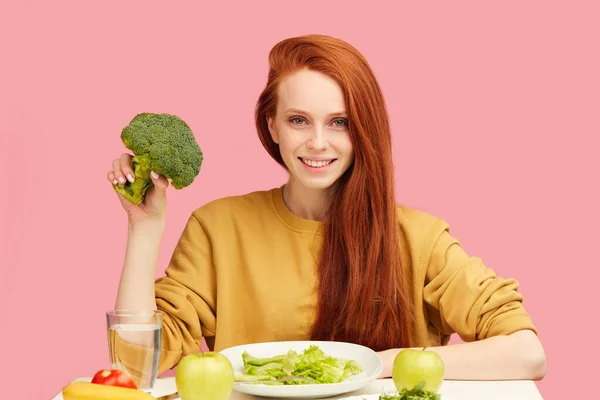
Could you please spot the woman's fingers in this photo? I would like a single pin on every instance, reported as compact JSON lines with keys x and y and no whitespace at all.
{"x":118,"y":172}
{"x":159,"y":181}
{"x":111,"y":177}
{"x":160,"y":184}
{"x":126,"y":167}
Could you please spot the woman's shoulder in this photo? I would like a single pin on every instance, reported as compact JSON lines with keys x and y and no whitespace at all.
{"x":250,"y":203}
{"x":419,"y":227}
{"x":415,"y":219}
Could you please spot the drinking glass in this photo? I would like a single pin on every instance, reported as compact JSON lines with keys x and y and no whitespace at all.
{"x":134,"y":344}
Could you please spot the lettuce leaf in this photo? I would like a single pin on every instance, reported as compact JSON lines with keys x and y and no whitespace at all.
{"x":313,"y":363}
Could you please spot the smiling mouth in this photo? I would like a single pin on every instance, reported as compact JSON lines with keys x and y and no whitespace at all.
{"x":316,"y":164}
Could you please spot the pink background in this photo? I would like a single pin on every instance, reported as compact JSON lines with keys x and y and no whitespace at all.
{"x":495,"y":117}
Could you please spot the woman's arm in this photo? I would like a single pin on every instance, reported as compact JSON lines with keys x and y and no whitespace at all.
{"x":136,"y":286}
{"x":463,"y":296}
{"x":511,"y":357}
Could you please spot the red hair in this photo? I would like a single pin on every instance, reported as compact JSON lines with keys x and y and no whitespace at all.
{"x":362,"y":296}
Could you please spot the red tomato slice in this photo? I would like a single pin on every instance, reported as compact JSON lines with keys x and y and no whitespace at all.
{"x":113,"y":377}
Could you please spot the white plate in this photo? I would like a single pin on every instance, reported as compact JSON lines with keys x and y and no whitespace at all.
{"x":367,"y":358}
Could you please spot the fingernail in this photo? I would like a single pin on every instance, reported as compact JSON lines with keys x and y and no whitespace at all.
{"x":115,"y":182}
{"x":130,"y":178}
{"x":121,"y":179}
{"x":154,"y":174}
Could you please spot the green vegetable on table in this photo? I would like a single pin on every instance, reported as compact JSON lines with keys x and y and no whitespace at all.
{"x":416,"y":393}
{"x":313,"y":363}
{"x":162,"y":143}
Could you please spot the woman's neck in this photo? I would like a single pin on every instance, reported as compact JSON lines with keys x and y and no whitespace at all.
{"x":307,"y":203}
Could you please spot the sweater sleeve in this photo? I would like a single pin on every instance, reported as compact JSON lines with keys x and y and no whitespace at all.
{"x":187,"y":297}
{"x":464,"y":296}
{"x":187,"y":294}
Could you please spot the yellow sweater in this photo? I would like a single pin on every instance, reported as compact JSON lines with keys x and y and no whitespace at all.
{"x":244,"y":271}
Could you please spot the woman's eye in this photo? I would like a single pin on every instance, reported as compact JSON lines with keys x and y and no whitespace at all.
{"x":297,"y":120}
{"x":340,"y":122}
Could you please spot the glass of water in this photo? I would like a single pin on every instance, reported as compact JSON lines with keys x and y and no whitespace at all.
{"x":134,"y":344}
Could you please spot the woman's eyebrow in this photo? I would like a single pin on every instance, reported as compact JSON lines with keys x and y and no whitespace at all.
{"x":335,"y":114}
{"x":295,"y":110}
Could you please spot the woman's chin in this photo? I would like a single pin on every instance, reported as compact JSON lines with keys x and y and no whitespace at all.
{"x":323,"y":183}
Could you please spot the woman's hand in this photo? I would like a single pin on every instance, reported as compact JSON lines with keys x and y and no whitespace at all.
{"x":153,"y":207}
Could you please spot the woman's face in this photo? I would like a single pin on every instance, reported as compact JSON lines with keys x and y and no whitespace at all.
{"x":311,"y":128}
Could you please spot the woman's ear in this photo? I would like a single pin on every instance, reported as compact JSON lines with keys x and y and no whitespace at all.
{"x":272,"y":130}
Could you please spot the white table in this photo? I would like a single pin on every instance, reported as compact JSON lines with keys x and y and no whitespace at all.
{"x":458,"y":390}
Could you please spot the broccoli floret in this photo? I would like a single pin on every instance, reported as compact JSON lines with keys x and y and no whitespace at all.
{"x":162,"y":143}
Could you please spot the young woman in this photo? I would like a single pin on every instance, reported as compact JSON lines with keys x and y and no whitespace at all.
{"x":329,"y":255}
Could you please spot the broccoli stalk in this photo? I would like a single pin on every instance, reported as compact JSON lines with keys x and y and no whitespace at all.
{"x":162,"y":143}
{"x":136,"y":191}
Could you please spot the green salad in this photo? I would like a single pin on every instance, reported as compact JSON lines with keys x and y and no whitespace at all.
{"x":313,"y":364}
{"x":416,"y":393}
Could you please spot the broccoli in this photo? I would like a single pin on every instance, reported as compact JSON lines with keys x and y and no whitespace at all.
{"x":162,"y":143}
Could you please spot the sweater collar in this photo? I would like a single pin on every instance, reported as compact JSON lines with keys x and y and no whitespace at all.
{"x":290,"y":219}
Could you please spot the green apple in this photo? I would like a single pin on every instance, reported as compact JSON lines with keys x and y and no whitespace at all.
{"x":413,"y":366}
{"x":202,"y":376}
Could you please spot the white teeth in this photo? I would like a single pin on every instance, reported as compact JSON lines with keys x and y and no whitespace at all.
{"x":316,"y":164}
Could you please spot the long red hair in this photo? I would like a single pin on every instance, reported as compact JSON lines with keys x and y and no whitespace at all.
{"x":362,"y":296}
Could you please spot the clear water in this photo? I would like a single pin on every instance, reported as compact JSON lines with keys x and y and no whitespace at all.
{"x":140,"y":356}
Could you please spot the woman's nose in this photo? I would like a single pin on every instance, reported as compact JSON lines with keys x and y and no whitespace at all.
{"x":317,"y":141}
